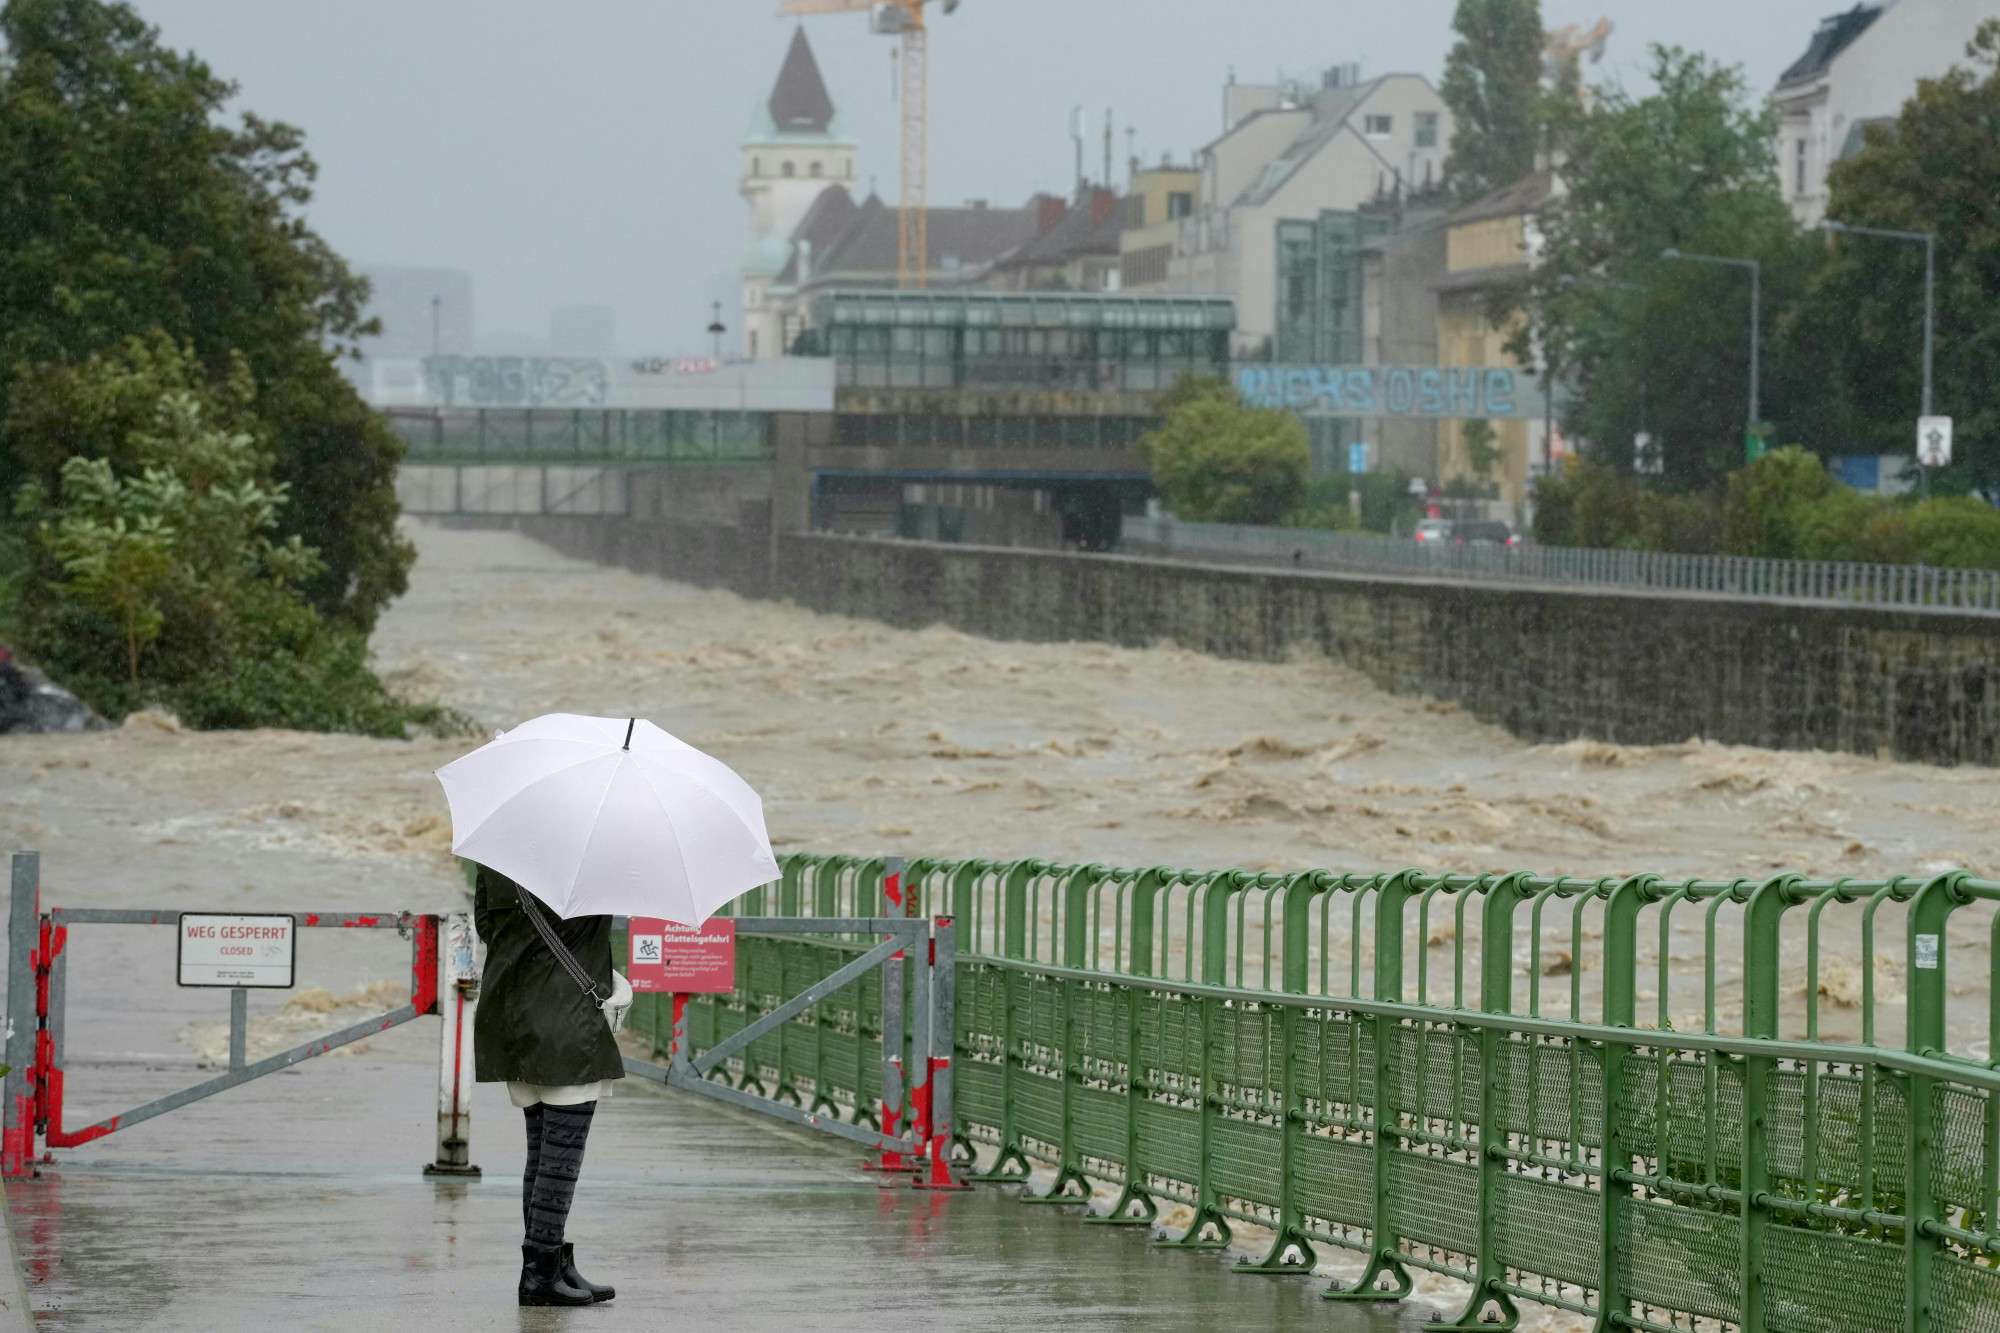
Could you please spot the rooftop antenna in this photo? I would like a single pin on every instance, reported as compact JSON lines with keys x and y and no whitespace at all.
{"x":1076,"y":137}
{"x":1131,"y":156}
{"x":1107,"y":148}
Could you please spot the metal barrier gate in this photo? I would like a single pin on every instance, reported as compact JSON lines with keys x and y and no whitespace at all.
{"x":441,"y":982}
{"x":804,"y":976}
{"x":1281,"y":1050}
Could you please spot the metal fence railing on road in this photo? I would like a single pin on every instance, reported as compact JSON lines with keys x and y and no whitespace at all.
{"x":1920,"y":586}
{"x":1649,"y":1113}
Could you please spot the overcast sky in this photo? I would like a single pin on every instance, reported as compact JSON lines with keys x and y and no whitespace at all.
{"x":585,"y":153}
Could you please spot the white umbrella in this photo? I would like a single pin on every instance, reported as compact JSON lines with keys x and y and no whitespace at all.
{"x":609,"y":814}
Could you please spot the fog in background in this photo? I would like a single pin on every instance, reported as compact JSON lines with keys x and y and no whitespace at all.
{"x":586,"y":154}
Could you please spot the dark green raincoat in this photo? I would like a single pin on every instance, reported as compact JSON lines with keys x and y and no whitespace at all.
{"x":534,"y":1024}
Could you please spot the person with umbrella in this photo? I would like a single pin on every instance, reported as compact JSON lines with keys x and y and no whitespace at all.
{"x":571,"y":819}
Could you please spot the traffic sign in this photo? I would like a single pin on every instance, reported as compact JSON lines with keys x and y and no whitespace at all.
{"x":1647,"y":457}
{"x":230,"y":950}
{"x":1934,"y":441}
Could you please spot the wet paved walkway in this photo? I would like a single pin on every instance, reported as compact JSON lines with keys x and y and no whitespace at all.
{"x":296,"y":1203}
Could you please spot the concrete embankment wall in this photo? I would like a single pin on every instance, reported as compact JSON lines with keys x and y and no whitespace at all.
{"x":1549,"y":664}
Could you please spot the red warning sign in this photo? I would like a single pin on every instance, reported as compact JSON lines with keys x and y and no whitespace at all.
{"x":667,"y":956}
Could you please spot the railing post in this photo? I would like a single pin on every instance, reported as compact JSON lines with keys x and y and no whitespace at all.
{"x":1291,"y":1231}
{"x":17,"y":1134}
{"x":1076,"y":891}
{"x":1621,"y":929}
{"x":1496,"y":996}
{"x":1762,"y":915}
{"x":458,"y":1000}
{"x":1930,"y":911}
{"x":1383,"y":1259}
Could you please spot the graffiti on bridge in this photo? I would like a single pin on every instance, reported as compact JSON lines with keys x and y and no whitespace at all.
{"x":516,"y":381}
{"x":1470,"y":392}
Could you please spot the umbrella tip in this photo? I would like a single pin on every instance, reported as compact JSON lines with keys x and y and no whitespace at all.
{"x":630,"y":723}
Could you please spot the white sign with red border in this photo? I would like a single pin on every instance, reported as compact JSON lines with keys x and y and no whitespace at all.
{"x":233,"y":950}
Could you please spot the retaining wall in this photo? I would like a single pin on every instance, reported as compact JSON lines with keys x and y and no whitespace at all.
{"x":1547,"y":663}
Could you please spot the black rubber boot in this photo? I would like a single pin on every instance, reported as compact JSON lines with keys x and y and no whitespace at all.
{"x":575,"y":1279}
{"x":542,"y":1278}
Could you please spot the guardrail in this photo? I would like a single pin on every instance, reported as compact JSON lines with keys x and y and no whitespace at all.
{"x":1405,"y":1066}
{"x":1960,"y":590}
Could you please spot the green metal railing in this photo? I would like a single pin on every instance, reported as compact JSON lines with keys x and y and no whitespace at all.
{"x":1485,"y":1076}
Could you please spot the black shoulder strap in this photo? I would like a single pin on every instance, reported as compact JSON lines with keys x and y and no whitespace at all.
{"x":533,"y":908}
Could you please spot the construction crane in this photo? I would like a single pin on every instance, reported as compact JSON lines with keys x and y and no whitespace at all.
{"x":902,"y":19}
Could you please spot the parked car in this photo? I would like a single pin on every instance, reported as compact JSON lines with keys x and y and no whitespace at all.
{"x":1434,"y":531}
{"x":1485,"y":534}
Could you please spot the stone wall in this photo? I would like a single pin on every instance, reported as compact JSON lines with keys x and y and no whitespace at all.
{"x":1549,"y":664}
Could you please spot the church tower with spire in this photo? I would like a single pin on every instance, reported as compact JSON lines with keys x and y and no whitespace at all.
{"x":794,"y":149}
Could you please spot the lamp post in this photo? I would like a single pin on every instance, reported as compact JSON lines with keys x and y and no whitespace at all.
{"x":715,"y":329}
{"x":1756,"y":306}
{"x":1929,"y":240}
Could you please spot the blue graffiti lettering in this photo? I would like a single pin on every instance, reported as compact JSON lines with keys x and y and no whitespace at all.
{"x":1402,"y":395}
{"x":1299,"y":387}
{"x":1254,"y":384}
{"x":1361,"y":389}
{"x":1429,"y":400}
{"x":1500,"y":392}
{"x":1461,"y":391}
{"x":1326,"y":382}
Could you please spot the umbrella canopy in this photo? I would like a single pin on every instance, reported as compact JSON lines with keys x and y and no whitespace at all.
{"x":609,"y":814}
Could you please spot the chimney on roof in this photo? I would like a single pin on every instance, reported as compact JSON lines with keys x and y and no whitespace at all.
{"x":1102,"y":202}
{"x":1051,"y":211}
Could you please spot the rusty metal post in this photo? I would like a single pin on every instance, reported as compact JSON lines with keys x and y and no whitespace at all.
{"x":458,"y":999}
{"x":893,"y":1030}
{"x":937,"y":1171}
{"x":17,"y":1124}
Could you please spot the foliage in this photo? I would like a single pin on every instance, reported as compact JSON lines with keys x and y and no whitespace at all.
{"x":1853,"y":346}
{"x":132,"y":206}
{"x":1596,"y":505}
{"x":159,"y":569}
{"x":1649,"y":344}
{"x":1786,"y":505}
{"x":1758,"y":513}
{"x":1385,"y":503}
{"x":1217,"y":461}
{"x":1492,"y":83}
{"x":1481,"y":453}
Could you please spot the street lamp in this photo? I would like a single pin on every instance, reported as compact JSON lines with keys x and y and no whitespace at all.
{"x":1756,"y":304}
{"x":1929,"y":240}
{"x":715,"y":329}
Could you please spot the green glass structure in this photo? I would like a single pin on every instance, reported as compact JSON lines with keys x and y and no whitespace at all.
{"x":506,"y":435}
{"x":1019,"y":340}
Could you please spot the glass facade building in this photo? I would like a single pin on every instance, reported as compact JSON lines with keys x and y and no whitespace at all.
{"x":1064,"y":341}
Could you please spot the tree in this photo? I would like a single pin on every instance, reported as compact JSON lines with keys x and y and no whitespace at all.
{"x":1851,"y":352}
{"x":1648,"y":344}
{"x":132,"y":206}
{"x":160,"y":571}
{"x":1492,"y":83}
{"x":1217,"y":461}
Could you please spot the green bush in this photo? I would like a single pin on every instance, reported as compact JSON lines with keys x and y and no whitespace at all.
{"x":1785,"y":505}
{"x":1596,"y":505}
{"x":1761,"y":512}
{"x":1217,"y":461}
{"x":1386,"y":505}
{"x":152,"y":572}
